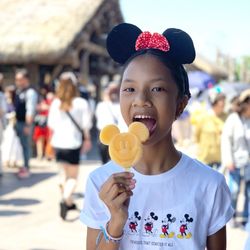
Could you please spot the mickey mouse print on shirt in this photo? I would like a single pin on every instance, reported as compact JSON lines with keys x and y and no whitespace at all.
{"x":166,"y":226}
{"x":149,"y":223}
{"x":184,"y":233}
{"x":133,"y":221}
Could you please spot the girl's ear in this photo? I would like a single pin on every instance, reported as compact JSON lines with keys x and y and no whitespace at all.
{"x":181,"y":105}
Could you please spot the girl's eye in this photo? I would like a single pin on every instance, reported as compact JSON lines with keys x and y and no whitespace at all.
{"x":158,"y":89}
{"x":129,"y":90}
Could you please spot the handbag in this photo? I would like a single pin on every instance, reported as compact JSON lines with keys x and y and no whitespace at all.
{"x":76,"y":124}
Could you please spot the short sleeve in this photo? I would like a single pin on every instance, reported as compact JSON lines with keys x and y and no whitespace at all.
{"x":94,"y":213}
{"x":31,"y":102}
{"x":222,"y":210}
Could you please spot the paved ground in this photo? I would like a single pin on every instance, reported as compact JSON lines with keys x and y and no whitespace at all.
{"x":29,"y":218}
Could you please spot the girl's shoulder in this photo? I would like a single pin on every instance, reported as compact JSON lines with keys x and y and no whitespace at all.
{"x":196,"y":170}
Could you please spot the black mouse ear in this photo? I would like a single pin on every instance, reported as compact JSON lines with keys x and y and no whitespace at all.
{"x":182,"y":49}
{"x":121,"y":41}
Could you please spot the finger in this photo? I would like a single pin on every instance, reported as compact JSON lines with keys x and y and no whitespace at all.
{"x":115,"y":190}
{"x":118,"y":178}
{"x":122,"y":198}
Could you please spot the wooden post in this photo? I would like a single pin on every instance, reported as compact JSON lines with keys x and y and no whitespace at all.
{"x":84,"y":66}
{"x":33,"y":70}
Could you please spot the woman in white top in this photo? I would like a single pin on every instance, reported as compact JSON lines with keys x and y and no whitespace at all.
{"x":107,"y":112}
{"x":235,"y":148}
{"x":69,"y":120}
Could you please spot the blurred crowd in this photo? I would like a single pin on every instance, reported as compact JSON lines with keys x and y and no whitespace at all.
{"x":53,"y":122}
{"x":215,"y":129}
{"x":56,"y":121}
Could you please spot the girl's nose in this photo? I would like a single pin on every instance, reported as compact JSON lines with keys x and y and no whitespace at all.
{"x":142,"y":100}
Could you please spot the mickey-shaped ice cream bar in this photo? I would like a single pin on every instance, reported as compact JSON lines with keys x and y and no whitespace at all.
{"x":125,"y":148}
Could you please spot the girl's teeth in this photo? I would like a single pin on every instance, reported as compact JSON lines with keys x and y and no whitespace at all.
{"x":142,"y":117}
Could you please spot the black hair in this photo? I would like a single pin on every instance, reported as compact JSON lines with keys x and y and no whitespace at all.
{"x":121,"y":45}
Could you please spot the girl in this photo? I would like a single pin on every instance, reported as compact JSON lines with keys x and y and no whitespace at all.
{"x":168,"y":200}
{"x":66,"y":137}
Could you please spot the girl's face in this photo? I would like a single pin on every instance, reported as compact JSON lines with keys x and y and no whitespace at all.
{"x":149,"y":94}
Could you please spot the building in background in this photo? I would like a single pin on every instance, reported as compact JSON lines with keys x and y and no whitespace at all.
{"x":49,"y":36}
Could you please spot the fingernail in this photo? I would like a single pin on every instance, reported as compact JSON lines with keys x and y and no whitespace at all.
{"x":133,"y":181}
{"x":131,"y":186}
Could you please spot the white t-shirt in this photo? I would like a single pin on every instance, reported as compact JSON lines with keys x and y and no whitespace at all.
{"x":65,"y":133}
{"x":177,"y":209}
{"x":234,"y":146}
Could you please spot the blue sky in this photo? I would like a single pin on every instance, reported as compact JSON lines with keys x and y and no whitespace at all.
{"x":221,"y":24}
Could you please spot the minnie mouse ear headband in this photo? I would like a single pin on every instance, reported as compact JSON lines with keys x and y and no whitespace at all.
{"x":126,"y":40}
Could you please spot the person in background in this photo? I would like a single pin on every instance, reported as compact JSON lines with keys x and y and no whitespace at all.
{"x":41,"y":132}
{"x":235,"y":152}
{"x":234,"y":104}
{"x":11,"y":146}
{"x":182,"y":130}
{"x":107,"y":112}
{"x":207,"y":132}
{"x":25,"y":102}
{"x":10,"y":96}
{"x":69,"y":114}
{"x":3,"y":110}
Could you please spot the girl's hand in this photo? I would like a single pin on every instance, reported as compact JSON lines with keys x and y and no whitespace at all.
{"x":115,"y":193}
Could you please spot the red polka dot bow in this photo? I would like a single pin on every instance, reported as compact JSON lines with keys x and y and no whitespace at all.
{"x":148,"y":41}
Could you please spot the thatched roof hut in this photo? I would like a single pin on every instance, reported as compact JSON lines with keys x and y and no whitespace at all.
{"x":203,"y":64}
{"x":53,"y":34}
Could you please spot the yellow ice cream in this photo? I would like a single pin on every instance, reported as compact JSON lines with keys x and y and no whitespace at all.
{"x":125,"y":148}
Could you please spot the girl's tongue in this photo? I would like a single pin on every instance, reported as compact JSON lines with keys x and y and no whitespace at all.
{"x":149,"y":122}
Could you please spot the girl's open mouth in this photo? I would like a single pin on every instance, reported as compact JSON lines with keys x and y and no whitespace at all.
{"x":149,"y":121}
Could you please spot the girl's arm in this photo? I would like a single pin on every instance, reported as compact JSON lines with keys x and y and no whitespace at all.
{"x":218,"y":240}
{"x":92,"y":235}
{"x":115,"y":193}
